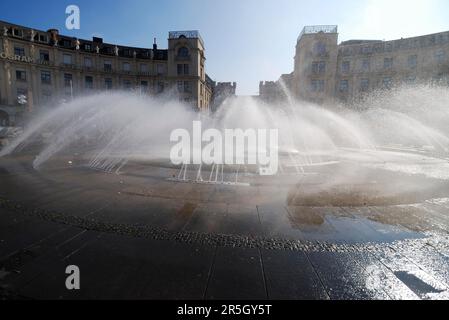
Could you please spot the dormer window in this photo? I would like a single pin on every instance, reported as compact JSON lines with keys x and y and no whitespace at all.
{"x":17,"y":33}
{"x":66,"y":43}
{"x":87,"y":47}
{"x":43,"y":38}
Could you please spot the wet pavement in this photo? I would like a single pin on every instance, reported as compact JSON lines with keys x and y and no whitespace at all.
{"x":138,"y":235}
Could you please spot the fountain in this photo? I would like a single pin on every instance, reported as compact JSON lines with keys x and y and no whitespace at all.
{"x":394,"y":146}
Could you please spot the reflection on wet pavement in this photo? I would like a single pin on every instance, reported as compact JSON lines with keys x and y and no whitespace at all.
{"x":196,"y":241}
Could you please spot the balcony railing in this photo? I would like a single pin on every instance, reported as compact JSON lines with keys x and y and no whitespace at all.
{"x":68,"y":65}
{"x":188,"y":34}
{"x":318,"y":29}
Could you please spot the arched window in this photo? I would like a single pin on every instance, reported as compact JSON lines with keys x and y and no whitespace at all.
{"x":183,"y":52}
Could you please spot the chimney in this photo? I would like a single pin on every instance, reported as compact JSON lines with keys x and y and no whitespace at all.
{"x":154,"y":44}
{"x":97,"y":40}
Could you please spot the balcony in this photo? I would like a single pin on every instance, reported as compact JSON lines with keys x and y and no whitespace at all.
{"x":68,"y":65}
{"x":108,"y":68}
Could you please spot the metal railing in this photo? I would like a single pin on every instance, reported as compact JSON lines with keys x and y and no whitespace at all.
{"x":188,"y":34}
{"x":318,"y":29}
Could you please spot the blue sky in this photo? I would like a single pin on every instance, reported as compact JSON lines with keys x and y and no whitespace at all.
{"x":246,"y":40}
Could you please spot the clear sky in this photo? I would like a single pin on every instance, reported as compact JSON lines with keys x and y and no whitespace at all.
{"x":246,"y":40}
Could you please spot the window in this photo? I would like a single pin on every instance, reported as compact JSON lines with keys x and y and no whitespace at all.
{"x":46,"y":77}
{"x":366,"y":65}
{"x":180,"y":86}
{"x":317,"y":85}
{"x":187,"y":87}
{"x":364,"y":85}
{"x":387,"y":83}
{"x":126,"y":67}
{"x":388,"y":63}
{"x":410,"y":80}
{"x":43,"y":38}
{"x":17,"y":33}
{"x":66,"y":43}
{"x":107,"y":65}
{"x":21,"y":75}
{"x":44,"y":55}
{"x":344,"y":86}
{"x":144,"y":68}
{"x":127,"y":84}
{"x":319,"y":67}
{"x":18,"y":51}
{"x":67,"y":59}
{"x":160,"y":69}
{"x":89,"y":82}
{"x":412,"y":61}
{"x":160,"y":87}
{"x":320,"y":49}
{"x":144,"y":84}
{"x":68,"y":78}
{"x":88,"y":62}
{"x":108,"y":83}
{"x":183,"y":52}
{"x":183,"y":69}
{"x":109,"y":50}
{"x":367,"y":50}
{"x":440,"y":56}
{"x":87,"y":47}
{"x":346,"y":66}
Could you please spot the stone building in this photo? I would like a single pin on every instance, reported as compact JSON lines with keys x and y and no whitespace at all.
{"x":276,"y":91}
{"x":41,"y":68}
{"x":223,"y":91}
{"x":325,"y":71}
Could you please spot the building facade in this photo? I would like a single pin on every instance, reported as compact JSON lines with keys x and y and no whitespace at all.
{"x":223,"y":91}
{"x":42,"y":68}
{"x":275,"y":91}
{"x":325,"y":71}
